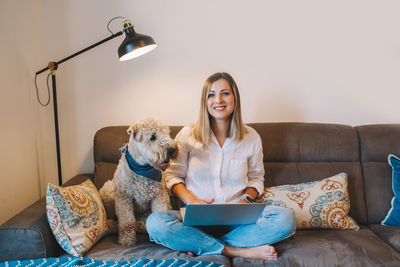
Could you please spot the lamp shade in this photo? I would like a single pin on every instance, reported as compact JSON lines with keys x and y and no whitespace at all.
{"x":134,"y":44}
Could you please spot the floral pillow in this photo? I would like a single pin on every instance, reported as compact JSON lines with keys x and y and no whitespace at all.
{"x":76,"y":216}
{"x":318,"y":204}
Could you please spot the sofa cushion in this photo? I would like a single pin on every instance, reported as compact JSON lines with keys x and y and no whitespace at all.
{"x":293,"y":153}
{"x":108,"y":249}
{"x":76,"y":216}
{"x":308,"y":142}
{"x":389,"y":234}
{"x":378,"y":190}
{"x":14,"y":245}
{"x":282,"y":173}
{"x":303,"y":152}
{"x":393,"y":216}
{"x":107,"y":142}
{"x":376,"y":143}
{"x":330,"y":248}
{"x":103,"y":171}
{"x":318,"y":204}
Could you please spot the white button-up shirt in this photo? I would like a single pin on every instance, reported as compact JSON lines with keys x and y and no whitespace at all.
{"x":211,"y":171}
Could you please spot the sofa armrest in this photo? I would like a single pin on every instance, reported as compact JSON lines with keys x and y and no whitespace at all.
{"x":27,"y":235}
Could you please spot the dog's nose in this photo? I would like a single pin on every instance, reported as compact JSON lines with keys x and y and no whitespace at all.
{"x":170,"y":152}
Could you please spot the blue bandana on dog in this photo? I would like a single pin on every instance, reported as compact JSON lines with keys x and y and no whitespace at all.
{"x":142,"y":170}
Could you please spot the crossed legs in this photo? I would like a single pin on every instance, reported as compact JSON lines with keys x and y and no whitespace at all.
{"x":247,"y":241}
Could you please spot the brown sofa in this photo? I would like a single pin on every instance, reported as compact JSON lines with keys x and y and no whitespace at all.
{"x":293,"y":153}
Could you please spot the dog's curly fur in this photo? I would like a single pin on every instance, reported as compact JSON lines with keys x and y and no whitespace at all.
{"x":135,"y":195}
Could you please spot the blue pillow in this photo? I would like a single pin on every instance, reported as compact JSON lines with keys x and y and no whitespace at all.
{"x":393,"y":216}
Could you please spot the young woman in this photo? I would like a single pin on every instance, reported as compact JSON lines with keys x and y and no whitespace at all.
{"x":220,"y":161}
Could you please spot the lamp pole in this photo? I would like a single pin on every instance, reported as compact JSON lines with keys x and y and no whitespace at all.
{"x":53,"y":67}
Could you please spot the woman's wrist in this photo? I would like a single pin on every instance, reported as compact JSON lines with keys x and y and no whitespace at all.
{"x":246,"y":198}
{"x":251,"y":192}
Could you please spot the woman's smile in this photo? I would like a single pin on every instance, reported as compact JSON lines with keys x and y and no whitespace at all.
{"x":220,"y":101}
{"x":220,"y":108}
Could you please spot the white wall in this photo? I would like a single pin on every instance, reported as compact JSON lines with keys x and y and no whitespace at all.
{"x":21,"y":40}
{"x":311,"y":61}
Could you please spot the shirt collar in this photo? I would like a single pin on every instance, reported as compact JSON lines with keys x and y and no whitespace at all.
{"x":214,"y":139}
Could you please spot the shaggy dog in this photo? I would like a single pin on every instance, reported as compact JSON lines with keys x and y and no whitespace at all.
{"x":137,"y":187}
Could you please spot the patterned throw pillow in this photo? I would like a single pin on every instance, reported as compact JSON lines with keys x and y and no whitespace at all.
{"x":393,"y":216}
{"x":317,"y":204}
{"x":76,"y":216}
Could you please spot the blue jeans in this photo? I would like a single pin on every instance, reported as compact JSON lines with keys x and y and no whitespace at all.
{"x":166,"y":228}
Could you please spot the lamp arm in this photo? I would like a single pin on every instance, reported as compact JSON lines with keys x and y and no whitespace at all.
{"x":52,"y":66}
{"x":132,"y":39}
{"x":82,"y":51}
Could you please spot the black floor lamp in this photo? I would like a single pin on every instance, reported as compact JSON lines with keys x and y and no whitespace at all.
{"x":134,"y":45}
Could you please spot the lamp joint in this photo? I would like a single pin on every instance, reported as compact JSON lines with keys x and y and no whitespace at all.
{"x":53,"y":66}
{"x":127,"y":26}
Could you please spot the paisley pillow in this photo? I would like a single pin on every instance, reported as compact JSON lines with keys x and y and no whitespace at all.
{"x":76,"y":216}
{"x":318,"y":204}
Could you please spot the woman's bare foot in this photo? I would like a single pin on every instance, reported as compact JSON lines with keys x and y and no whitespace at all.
{"x":264,"y":252}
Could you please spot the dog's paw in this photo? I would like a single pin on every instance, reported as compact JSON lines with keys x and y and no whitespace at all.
{"x":127,"y":234}
{"x":125,"y":241}
{"x":111,"y":227}
{"x":141,"y":226}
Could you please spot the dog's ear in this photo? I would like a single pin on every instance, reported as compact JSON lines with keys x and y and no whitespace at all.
{"x":133,"y":131}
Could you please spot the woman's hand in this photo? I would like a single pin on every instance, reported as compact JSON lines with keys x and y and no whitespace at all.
{"x":188,"y":197}
{"x":199,"y":201}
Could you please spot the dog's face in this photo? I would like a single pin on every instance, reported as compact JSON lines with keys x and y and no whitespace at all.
{"x":151,"y":143}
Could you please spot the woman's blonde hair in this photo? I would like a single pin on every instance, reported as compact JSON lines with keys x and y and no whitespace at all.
{"x":202,"y":128}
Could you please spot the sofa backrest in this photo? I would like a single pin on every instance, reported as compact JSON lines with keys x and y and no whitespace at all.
{"x":302,"y":152}
{"x":376,"y":143}
{"x":293,"y":153}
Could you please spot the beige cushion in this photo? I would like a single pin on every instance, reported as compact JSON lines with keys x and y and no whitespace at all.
{"x":76,"y":216}
{"x":318,"y":204}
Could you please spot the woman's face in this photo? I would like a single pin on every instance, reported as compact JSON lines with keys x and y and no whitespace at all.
{"x":220,"y":100}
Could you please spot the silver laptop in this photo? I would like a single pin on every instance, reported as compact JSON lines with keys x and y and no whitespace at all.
{"x":221,"y":214}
